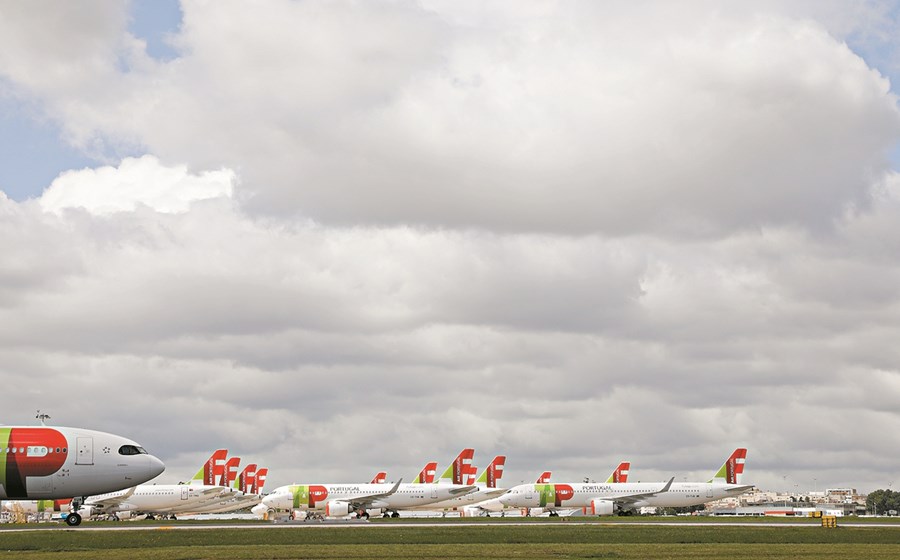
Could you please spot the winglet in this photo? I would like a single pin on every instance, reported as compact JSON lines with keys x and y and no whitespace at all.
{"x":394,"y":488}
{"x":667,"y":486}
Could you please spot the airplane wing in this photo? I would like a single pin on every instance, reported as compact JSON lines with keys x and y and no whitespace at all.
{"x":631,"y":498}
{"x":364,"y":500}
{"x":110,"y":501}
{"x":463,"y":490}
{"x":489,"y":493}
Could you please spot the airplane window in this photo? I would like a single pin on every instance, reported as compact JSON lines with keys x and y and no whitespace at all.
{"x":131,"y":450}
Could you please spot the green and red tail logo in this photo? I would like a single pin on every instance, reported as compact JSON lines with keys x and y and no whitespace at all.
{"x":426,"y":475}
{"x":29,"y":452}
{"x":211,"y":471}
{"x":229,"y":471}
{"x":493,"y":472}
{"x":620,"y":474}
{"x":733,"y":468}
{"x":460,"y":467}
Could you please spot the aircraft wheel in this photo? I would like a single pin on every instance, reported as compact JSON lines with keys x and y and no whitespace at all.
{"x":395,"y":514}
{"x":386,"y":515}
{"x":365,"y":515}
{"x":73,"y":519}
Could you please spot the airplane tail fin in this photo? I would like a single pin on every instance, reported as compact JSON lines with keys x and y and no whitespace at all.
{"x":492,"y":473}
{"x":229,"y":472}
{"x":469,"y":477}
{"x":259,"y":481}
{"x":459,"y":468}
{"x":379,"y":478}
{"x":212,"y":469}
{"x":247,"y":479}
{"x":731,"y":471}
{"x":544,"y":478}
{"x":426,"y":475}
{"x":620,"y":474}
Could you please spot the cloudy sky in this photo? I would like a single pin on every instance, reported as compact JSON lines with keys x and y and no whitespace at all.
{"x":337,"y":237}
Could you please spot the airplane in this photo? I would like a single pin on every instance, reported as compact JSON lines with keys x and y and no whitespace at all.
{"x":487,"y":489}
{"x":339,"y":500}
{"x":611,"y":497}
{"x":619,"y":474}
{"x":166,"y":499}
{"x":55,"y":462}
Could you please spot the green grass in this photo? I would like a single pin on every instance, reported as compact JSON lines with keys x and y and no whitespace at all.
{"x":557,"y":541}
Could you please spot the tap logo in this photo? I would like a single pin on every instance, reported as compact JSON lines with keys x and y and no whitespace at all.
{"x":308,"y":495}
{"x":29,"y":452}
{"x":554,"y":494}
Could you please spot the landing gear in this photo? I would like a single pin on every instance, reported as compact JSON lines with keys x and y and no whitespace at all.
{"x":74,"y":518}
{"x":386,"y":515}
{"x":395,"y":514}
{"x":554,"y":514}
{"x":362,"y":515}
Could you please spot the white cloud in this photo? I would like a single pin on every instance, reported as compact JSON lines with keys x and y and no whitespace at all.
{"x":572,"y":233}
{"x":136,"y":181}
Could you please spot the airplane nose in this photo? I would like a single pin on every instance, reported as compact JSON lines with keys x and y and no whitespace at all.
{"x":155,"y":468}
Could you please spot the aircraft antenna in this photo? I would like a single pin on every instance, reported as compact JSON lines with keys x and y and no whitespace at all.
{"x":42,"y":417}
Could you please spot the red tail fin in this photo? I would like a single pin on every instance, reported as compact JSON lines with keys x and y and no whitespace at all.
{"x":214,"y":467}
{"x":462,"y":465}
{"x":229,"y":471}
{"x":259,"y":481}
{"x":426,"y":475}
{"x":379,"y":478}
{"x":735,"y":465}
{"x":621,"y":472}
{"x":247,"y":478}
{"x":495,"y":471}
{"x":544,"y":478}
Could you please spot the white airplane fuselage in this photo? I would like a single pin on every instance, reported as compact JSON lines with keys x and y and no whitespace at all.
{"x":557,"y":496}
{"x":49,"y":462}
{"x":321,"y":497}
{"x":156,"y":499}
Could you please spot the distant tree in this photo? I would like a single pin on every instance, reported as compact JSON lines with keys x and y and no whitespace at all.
{"x":882,"y":501}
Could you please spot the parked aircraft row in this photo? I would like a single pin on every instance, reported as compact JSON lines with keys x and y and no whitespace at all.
{"x":103,"y":474}
{"x":458,"y":489}
{"x":216,"y":488}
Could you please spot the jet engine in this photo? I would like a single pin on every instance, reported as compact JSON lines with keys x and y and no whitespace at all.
{"x":337,"y":508}
{"x":601,"y":507}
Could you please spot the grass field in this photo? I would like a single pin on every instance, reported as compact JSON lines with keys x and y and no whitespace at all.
{"x":484,"y":541}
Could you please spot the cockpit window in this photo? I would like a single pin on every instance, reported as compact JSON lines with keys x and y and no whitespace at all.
{"x":131,"y":450}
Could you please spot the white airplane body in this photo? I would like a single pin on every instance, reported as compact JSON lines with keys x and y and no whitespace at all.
{"x":153,"y":499}
{"x":338,"y":500}
{"x":53,"y":462}
{"x":610,"y":498}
